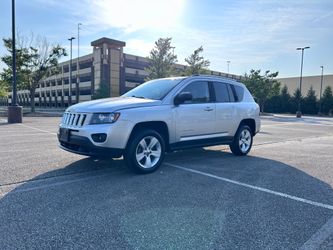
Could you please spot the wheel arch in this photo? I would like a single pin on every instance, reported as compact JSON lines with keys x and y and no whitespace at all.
{"x":249,"y":122}
{"x":159,"y":126}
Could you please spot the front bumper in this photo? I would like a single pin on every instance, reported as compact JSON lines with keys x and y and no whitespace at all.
{"x":83,"y":146}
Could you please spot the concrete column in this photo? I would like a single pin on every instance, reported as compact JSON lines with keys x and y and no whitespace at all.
{"x":107,"y":64}
{"x":115,"y":72}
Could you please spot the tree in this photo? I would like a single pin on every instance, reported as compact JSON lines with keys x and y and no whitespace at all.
{"x":327,"y":100}
{"x":263,"y":87}
{"x":285,"y":100}
{"x":297,"y":97}
{"x":34,"y":62}
{"x":162,"y":59}
{"x":273,"y":105}
{"x":310,"y":102}
{"x":196,"y":63}
{"x":22,"y":60}
{"x":3,"y":89}
{"x":102,"y":92}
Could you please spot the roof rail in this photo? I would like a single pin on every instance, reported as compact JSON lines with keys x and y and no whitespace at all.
{"x":218,"y":76}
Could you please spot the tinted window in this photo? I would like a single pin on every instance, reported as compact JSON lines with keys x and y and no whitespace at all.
{"x":221,"y":92}
{"x":155,"y":89}
{"x":199,"y":91}
{"x":239,"y":92}
{"x":231,"y":94}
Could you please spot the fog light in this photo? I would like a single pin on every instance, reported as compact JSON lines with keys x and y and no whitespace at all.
{"x":98,"y":137}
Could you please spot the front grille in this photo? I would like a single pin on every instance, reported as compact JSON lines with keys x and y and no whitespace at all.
{"x":74,"y":119}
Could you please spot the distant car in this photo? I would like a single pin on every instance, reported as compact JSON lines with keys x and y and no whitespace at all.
{"x":163,"y":115}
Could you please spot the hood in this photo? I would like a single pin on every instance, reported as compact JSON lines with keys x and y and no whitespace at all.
{"x":112,"y":104}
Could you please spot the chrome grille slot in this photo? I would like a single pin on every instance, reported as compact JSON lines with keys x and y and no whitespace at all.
{"x":70,"y":119}
{"x":73,"y":119}
{"x":77,"y":119}
{"x":66,"y":118}
{"x":83,"y":119}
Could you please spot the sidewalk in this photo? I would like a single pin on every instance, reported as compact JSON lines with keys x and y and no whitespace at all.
{"x":40,"y":112}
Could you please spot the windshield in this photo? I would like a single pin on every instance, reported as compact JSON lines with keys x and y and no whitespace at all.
{"x":154,"y":89}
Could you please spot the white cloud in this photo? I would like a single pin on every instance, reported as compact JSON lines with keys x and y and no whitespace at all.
{"x":132,"y":15}
{"x":251,"y":33}
{"x":138,"y":47}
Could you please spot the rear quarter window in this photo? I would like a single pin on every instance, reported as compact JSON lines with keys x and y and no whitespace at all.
{"x":238,"y":92}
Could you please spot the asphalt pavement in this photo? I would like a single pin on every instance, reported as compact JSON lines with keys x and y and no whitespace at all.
{"x":278,"y":197}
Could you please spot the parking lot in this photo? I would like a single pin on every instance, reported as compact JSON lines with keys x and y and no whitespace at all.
{"x":278,"y":197}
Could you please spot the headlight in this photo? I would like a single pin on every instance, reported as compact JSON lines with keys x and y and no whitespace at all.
{"x":102,"y":118}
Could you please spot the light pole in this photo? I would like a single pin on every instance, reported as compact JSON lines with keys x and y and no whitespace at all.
{"x":70,"y":73}
{"x":78,"y":64}
{"x":321,"y":87}
{"x":299,"y":112}
{"x":228,"y":62}
{"x":14,"y":111}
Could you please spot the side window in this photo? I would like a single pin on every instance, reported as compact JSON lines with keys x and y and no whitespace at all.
{"x":238,"y":92}
{"x":231,"y":93}
{"x":221,"y":92}
{"x":199,"y":91}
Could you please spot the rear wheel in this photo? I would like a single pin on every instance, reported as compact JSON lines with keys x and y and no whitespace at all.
{"x":242,"y":142}
{"x":145,"y":152}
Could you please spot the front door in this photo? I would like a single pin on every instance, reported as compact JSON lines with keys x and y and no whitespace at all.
{"x":195,"y":119}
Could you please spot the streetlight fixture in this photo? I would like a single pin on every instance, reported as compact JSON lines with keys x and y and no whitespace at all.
{"x":70,"y":73}
{"x":78,"y":64}
{"x":14,"y":111}
{"x":299,"y":112}
{"x":321,"y":87}
{"x":228,"y":62}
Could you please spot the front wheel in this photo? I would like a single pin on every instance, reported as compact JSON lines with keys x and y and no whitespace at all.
{"x":145,"y":152}
{"x":242,"y":142}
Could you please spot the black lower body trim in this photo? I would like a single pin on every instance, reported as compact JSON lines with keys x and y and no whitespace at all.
{"x":225,"y":140}
{"x":83,"y":146}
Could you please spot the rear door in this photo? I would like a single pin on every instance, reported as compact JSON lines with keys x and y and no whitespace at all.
{"x":225,"y":110}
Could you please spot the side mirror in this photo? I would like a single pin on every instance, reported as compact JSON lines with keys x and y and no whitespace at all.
{"x":182,"y":97}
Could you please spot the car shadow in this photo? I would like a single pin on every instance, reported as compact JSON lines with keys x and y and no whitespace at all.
{"x":98,"y":203}
{"x":254,"y":170}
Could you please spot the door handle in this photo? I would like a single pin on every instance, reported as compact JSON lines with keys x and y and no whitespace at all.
{"x":208,"y":109}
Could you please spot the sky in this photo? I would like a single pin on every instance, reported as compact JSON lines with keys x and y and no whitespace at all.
{"x":262,"y":34}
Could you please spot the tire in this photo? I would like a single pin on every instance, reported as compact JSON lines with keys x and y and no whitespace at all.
{"x":145,"y":152}
{"x":242,"y":142}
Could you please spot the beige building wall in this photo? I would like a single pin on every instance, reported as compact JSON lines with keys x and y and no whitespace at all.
{"x":115,"y":72}
{"x":307,"y":81}
{"x":97,"y":54}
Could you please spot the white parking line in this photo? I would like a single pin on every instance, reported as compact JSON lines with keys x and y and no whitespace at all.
{"x":25,"y":134}
{"x":265,"y":190}
{"x":45,"y":131}
{"x":60,"y":180}
{"x":27,"y":126}
{"x":280,"y":124}
{"x":295,"y":124}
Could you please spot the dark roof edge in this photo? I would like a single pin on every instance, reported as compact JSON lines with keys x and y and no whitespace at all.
{"x":108,"y":41}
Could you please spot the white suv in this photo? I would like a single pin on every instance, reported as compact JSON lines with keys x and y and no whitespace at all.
{"x":163,"y":115}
